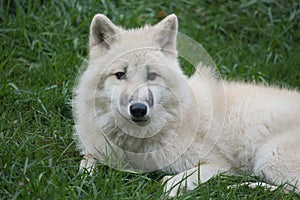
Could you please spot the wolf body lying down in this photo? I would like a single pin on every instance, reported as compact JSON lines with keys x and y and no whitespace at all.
{"x":136,"y":110}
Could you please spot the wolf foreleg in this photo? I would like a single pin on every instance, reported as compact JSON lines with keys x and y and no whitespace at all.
{"x":188,"y":180}
{"x":88,"y":163}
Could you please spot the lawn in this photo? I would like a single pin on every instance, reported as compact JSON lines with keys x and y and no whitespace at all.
{"x":43,"y":44}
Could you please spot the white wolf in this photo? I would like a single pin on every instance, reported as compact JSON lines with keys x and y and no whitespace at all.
{"x":135,"y":109}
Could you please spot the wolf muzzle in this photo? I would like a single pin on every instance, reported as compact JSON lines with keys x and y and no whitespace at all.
{"x":138,"y":110}
{"x":139,"y":104}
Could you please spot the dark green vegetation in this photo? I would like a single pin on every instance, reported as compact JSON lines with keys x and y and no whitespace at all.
{"x":42,"y":45}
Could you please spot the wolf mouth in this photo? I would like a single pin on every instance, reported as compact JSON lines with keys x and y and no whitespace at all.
{"x":141,"y":121}
{"x":138,"y":121}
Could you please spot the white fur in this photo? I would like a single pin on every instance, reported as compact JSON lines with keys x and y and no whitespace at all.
{"x":224,"y":126}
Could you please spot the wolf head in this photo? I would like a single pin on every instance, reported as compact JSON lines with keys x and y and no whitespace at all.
{"x":133,"y":98}
{"x":134,"y":79}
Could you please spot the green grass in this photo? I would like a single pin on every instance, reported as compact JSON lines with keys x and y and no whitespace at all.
{"x":43,"y":44}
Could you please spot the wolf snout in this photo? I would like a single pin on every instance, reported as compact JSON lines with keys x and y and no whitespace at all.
{"x":138,"y":110}
{"x":139,"y":104}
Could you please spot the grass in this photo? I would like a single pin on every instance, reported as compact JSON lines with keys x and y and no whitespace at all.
{"x":42,"y":46}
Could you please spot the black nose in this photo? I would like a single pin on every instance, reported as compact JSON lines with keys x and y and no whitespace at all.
{"x":138,"y":110}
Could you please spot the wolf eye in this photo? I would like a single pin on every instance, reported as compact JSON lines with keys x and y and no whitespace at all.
{"x":120,"y":75}
{"x":151,"y":76}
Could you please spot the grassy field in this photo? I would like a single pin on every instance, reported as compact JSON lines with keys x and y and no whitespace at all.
{"x":43,"y":44}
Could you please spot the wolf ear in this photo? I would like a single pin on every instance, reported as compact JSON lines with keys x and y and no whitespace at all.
{"x":167,"y":33}
{"x":101,"y":30}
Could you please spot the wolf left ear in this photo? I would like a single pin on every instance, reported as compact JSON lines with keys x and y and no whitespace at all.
{"x":101,"y":30}
{"x":167,"y":33}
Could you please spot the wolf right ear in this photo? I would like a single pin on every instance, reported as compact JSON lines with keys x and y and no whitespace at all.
{"x":101,"y":30}
{"x":167,"y":33}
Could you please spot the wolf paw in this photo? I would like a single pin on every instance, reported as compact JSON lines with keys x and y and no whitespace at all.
{"x":170,"y":188}
{"x":88,"y":164}
{"x":253,"y":185}
{"x":176,"y":185}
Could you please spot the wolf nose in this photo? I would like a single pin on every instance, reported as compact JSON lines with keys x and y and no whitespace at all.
{"x":138,"y":110}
